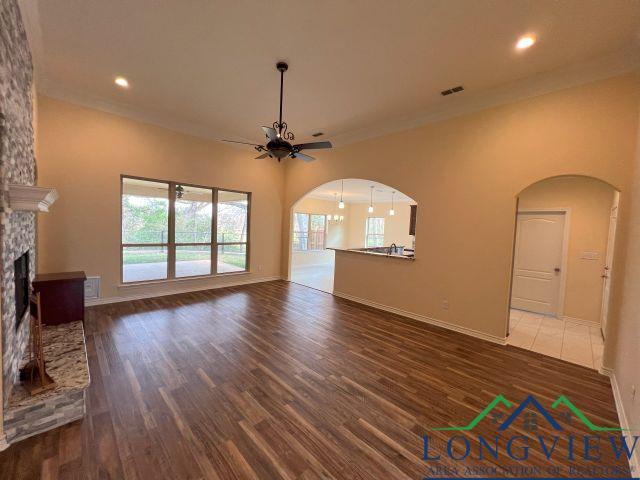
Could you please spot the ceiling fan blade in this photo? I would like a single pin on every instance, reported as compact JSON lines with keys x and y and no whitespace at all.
{"x":302,"y":156}
{"x":264,"y":155}
{"x":270,"y":133}
{"x":243,"y":143}
{"x":312,"y":145}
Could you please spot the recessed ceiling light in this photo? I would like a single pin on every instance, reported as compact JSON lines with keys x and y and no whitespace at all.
{"x":122,"y":82}
{"x":525,"y":42}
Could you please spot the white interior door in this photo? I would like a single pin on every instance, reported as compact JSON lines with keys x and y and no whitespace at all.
{"x":606,"y":275}
{"x":537,"y":262}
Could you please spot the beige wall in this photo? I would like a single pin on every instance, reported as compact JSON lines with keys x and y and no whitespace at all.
{"x":82,"y":153}
{"x":622,"y":350}
{"x":396,"y":228}
{"x":465,"y":174}
{"x":590,"y":201}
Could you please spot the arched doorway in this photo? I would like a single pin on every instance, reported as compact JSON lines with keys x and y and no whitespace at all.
{"x":350,"y":214}
{"x":562,"y":264}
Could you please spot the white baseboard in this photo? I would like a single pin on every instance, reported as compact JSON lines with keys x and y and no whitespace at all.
{"x":423,"y":318}
{"x":634,"y":461}
{"x":581,"y":321}
{"x":141,"y":296}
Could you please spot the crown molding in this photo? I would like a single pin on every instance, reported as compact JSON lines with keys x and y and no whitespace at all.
{"x":50,"y":89}
{"x":618,"y":63}
{"x":613,"y":64}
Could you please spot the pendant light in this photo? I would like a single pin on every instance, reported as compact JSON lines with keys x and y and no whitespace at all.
{"x":392,"y":212}
{"x":341,"y":204}
{"x":370,"y":209}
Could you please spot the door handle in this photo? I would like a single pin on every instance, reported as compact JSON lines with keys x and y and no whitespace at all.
{"x":557,"y":269}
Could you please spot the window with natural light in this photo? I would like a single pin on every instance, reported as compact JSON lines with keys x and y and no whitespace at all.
{"x":374,"y":232}
{"x":309,"y":231}
{"x":168,"y":228}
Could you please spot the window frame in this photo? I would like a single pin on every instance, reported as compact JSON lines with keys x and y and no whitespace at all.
{"x":171,"y":243}
{"x":367,"y":234}
{"x":324,"y":237}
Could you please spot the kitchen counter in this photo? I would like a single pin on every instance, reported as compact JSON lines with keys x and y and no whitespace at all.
{"x":366,"y":251}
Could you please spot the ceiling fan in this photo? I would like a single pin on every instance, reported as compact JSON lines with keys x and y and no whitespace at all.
{"x":279,"y":139}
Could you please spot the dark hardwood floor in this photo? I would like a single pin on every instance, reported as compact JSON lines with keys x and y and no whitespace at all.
{"x":277,"y":380}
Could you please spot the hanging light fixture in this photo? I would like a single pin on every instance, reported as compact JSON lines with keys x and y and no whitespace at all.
{"x":392,"y":212}
{"x":341,"y":204}
{"x":370,"y":209}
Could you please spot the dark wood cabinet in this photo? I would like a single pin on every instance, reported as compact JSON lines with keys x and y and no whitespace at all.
{"x":61,"y":296}
{"x":412,"y":220}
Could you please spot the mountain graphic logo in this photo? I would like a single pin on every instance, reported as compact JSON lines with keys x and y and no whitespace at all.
{"x":531,"y":402}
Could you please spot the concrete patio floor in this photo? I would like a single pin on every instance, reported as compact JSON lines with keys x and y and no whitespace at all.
{"x":158,"y":270}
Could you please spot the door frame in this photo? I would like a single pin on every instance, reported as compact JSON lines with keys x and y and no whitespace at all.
{"x":565,"y":251}
{"x":608,"y":262}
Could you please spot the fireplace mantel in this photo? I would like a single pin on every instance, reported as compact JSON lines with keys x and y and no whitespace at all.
{"x":31,"y":198}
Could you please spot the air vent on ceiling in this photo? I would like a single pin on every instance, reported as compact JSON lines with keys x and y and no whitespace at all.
{"x":317,"y":134}
{"x":457,"y":89}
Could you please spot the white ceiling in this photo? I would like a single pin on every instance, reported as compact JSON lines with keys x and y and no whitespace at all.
{"x":358,"y":191}
{"x":207,"y":67}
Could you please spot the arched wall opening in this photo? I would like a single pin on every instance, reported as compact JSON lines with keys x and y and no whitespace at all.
{"x":347,"y":214}
{"x":564,"y":242}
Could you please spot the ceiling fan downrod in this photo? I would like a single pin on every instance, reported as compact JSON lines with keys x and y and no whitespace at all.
{"x":281,"y":126}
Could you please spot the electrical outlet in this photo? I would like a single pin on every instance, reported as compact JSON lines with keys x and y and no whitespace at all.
{"x":445,"y":304}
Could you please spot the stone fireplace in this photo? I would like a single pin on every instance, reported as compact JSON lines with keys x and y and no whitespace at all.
{"x":17,"y":166}
{"x":23,"y":415}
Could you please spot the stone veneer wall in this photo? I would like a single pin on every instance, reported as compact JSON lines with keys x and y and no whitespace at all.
{"x":17,"y":165}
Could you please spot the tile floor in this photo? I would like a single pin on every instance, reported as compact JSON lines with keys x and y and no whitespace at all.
{"x":319,"y":277}
{"x":562,"y":339}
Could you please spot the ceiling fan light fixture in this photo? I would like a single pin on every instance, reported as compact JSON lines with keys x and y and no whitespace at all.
{"x":279,"y":140}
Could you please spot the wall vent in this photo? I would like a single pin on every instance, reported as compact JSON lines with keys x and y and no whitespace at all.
{"x":92,"y":288}
{"x":457,"y":89}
